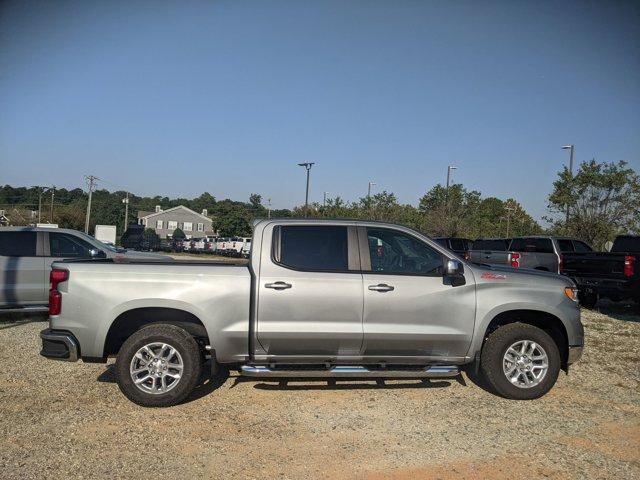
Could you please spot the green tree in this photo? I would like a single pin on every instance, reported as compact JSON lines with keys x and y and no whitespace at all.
{"x":178,"y":234}
{"x":603,"y":200}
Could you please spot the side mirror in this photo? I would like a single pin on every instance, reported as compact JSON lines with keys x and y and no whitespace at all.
{"x":95,"y":253}
{"x":453,"y":268}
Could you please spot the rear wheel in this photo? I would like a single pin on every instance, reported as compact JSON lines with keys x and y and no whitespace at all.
{"x":158,"y":366}
{"x":520,"y":361}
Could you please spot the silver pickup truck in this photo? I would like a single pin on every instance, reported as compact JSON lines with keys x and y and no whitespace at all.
{"x":318,"y":299}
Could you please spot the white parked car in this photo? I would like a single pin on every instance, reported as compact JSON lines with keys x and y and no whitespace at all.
{"x":222,"y":245}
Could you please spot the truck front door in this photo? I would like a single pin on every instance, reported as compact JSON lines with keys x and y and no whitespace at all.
{"x":410,"y":310}
{"x":310,"y":292}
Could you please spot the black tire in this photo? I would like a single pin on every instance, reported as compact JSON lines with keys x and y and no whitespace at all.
{"x":588,"y":299}
{"x":496,"y":346}
{"x":174,"y":336}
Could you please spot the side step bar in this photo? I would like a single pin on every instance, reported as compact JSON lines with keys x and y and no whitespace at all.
{"x":355,"y":371}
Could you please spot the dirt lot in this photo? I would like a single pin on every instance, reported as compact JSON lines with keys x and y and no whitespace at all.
{"x":62,"y":420}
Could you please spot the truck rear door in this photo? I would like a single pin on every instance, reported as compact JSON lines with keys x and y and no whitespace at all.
{"x":23,"y":277}
{"x":310,"y":296}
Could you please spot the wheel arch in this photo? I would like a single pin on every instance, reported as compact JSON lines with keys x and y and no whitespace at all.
{"x":130,"y":321}
{"x":546,"y":321}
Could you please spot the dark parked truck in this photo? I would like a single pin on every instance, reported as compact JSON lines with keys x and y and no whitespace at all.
{"x":614,"y":274}
{"x":318,"y":299}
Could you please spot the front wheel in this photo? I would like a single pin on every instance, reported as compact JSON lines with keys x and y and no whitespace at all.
{"x":158,"y":366}
{"x":520,"y":361}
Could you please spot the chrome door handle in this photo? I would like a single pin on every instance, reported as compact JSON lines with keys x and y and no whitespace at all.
{"x":381,"y":287}
{"x":278,"y":285}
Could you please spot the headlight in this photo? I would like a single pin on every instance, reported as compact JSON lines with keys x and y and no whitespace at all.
{"x":572,"y":293}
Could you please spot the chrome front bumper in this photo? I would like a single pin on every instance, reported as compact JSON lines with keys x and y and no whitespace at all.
{"x":575,"y":353}
{"x":59,"y":345}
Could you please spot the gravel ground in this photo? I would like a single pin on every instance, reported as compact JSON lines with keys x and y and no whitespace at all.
{"x":63,"y":420}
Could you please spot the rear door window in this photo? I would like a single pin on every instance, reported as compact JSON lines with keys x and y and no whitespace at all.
{"x":565,"y":245}
{"x":458,"y":245}
{"x":494,"y":245}
{"x":18,"y":244}
{"x":315,"y":248}
{"x":581,"y":247}
{"x":626,"y":244}
{"x":536,"y":245}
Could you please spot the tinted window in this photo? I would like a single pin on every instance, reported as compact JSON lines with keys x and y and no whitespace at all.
{"x":442,"y":241}
{"x":565,"y":245}
{"x":626,"y":244}
{"x":18,"y":244}
{"x":68,"y":246}
{"x":495,"y":245}
{"x":581,"y":247}
{"x":314,"y":247}
{"x":396,"y":252}
{"x":538,"y":245}
{"x":458,"y":244}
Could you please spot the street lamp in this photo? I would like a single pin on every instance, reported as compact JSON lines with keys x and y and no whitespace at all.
{"x":371,"y":184}
{"x":571,"y":149}
{"x":450,"y":168}
{"x":324,"y":198}
{"x":307,"y":166}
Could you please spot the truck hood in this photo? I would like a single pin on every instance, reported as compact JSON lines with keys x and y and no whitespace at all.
{"x":494,"y":273}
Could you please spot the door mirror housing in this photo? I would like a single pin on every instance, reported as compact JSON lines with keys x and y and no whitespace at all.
{"x":95,"y":253}
{"x":453,"y":268}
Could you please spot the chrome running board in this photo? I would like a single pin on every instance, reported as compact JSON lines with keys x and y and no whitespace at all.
{"x":348,"y":371}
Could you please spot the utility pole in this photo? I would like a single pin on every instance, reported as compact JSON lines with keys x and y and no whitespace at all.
{"x":53,"y":193}
{"x":369,"y":189}
{"x":268,"y":208}
{"x":509,"y":211}
{"x":324,"y":199}
{"x":42,"y":190}
{"x":450,"y":168}
{"x":308,"y":166}
{"x":571,"y":149}
{"x":91,"y":179}
{"x":126,"y":211}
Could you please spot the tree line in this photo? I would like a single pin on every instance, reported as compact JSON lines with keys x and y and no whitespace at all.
{"x":603,"y":200}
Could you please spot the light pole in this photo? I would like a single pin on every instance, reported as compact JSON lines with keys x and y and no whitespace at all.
{"x":268,"y":208}
{"x":307,"y":166}
{"x":53,"y":193}
{"x":324,"y":199}
{"x":371,"y":184}
{"x":450,"y":168}
{"x":571,"y":149}
{"x":126,"y":211}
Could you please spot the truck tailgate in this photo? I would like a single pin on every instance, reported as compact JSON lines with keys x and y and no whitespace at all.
{"x":593,"y":264}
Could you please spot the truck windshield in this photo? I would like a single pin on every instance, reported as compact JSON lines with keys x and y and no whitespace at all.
{"x":626,"y":244}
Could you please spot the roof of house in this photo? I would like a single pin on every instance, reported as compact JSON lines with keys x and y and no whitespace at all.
{"x":153,"y":214}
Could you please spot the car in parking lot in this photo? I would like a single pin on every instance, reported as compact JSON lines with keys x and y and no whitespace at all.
{"x":26,"y":255}
{"x":460,"y":246}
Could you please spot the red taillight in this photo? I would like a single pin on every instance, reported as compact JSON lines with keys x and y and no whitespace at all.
{"x":629,"y":261}
{"x":55,"y":298}
{"x":515,"y":260}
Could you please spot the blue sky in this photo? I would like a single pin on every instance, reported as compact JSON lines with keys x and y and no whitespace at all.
{"x":176,"y":98}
